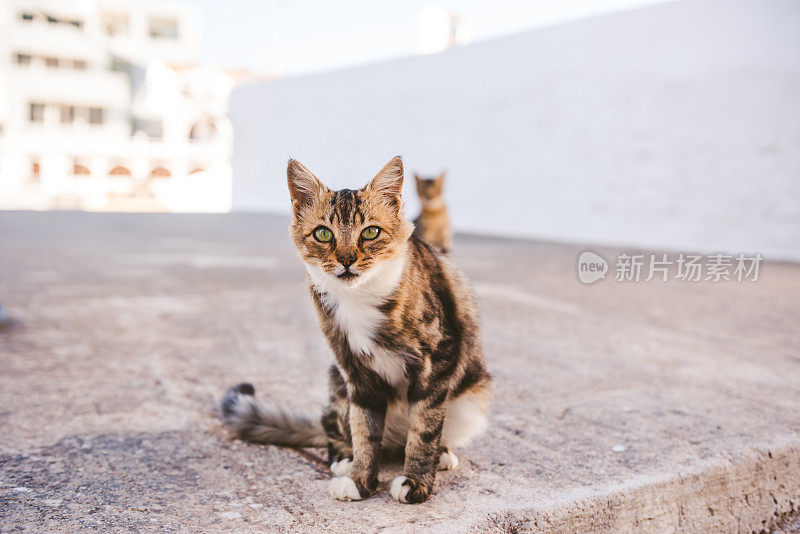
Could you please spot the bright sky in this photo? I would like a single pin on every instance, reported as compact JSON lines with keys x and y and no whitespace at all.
{"x":321,"y":35}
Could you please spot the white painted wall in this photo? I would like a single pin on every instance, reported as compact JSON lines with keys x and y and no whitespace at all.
{"x":675,"y":126}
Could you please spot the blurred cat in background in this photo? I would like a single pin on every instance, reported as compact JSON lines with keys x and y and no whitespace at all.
{"x":433,"y":224}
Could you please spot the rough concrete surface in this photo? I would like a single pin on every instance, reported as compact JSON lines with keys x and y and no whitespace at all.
{"x":648,"y":407}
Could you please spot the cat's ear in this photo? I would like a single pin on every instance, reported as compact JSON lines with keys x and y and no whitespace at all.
{"x":303,"y":185}
{"x":388,"y":183}
{"x":441,"y":176}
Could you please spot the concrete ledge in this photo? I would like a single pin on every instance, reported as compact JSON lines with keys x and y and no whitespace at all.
{"x":751,"y":493}
{"x":646,"y":407}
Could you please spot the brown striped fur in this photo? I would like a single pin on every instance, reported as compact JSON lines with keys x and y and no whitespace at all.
{"x":409,"y":374}
{"x":433,"y":224}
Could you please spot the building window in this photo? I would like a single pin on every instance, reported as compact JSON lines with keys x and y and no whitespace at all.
{"x":115,"y":24}
{"x":26,"y":16}
{"x":80,"y":170}
{"x":67,"y":114}
{"x":51,"y":62}
{"x":119,"y":170}
{"x":23,"y":59}
{"x":52,"y":20}
{"x":77,"y":23}
{"x":160,"y":172}
{"x":203,"y":130}
{"x":120,"y":65}
{"x":79,"y":64}
{"x":36,"y":112}
{"x":153,"y":128}
{"x":96,"y":115}
{"x":163,"y":28}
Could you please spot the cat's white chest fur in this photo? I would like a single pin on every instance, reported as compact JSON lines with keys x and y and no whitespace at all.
{"x":355,"y":310}
{"x":359,"y":318}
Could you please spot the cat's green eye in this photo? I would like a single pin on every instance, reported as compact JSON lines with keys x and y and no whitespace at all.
{"x":322,"y":234}
{"x":370,"y":232}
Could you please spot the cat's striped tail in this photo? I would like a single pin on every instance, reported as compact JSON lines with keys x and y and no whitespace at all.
{"x":261,"y":422}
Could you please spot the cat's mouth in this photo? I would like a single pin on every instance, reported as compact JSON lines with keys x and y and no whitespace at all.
{"x":347,"y":275}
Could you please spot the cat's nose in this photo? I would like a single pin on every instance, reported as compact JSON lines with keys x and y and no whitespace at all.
{"x":346,"y":259}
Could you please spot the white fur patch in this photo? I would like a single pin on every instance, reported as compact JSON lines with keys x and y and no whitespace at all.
{"x":397,"y":490}
{"x":359,"y":318}
{"x":344,"y":489}
{"x":390,"y":365}
{"x":354,"y":305}
{"x":432,"y":204}
{"x":467,"y":416}
{"x":342,"y":467}
{"x":448,"y":461}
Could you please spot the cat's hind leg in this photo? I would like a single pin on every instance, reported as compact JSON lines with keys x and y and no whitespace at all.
{"x":340,"y":452}
{"x":467,"y":416}
{"x":447,"y":459}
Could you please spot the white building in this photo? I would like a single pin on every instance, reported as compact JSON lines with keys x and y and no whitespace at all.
{"x":102,"y":108}
{"x":675,"y":126}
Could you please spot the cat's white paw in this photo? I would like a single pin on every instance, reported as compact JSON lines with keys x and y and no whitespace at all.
{"x":397,"y":490}
{"x":448,"y":461}
{"x":342,"y":467}
{"x":344,"y":489}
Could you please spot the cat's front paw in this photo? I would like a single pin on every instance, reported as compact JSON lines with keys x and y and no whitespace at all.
{"x":344,"y":489}
{"x":408,"y":490}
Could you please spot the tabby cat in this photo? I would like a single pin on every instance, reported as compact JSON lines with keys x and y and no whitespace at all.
{"x":409,"y":374}
{"x":433,"y":224}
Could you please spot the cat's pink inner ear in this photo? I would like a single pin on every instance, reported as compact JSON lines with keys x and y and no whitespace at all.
{"x":303,"y":185}
{"x":388,"y":183}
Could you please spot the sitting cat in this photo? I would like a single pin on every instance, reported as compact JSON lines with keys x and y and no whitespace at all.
{"x":433,"y":224}
{"x":409,"y":374}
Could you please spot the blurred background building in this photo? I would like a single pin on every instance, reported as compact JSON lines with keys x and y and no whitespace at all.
{"x":439,"y":29}
{"x":673,"y":126}
{"x":104,"y":107}
{"x":666,"y":124}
